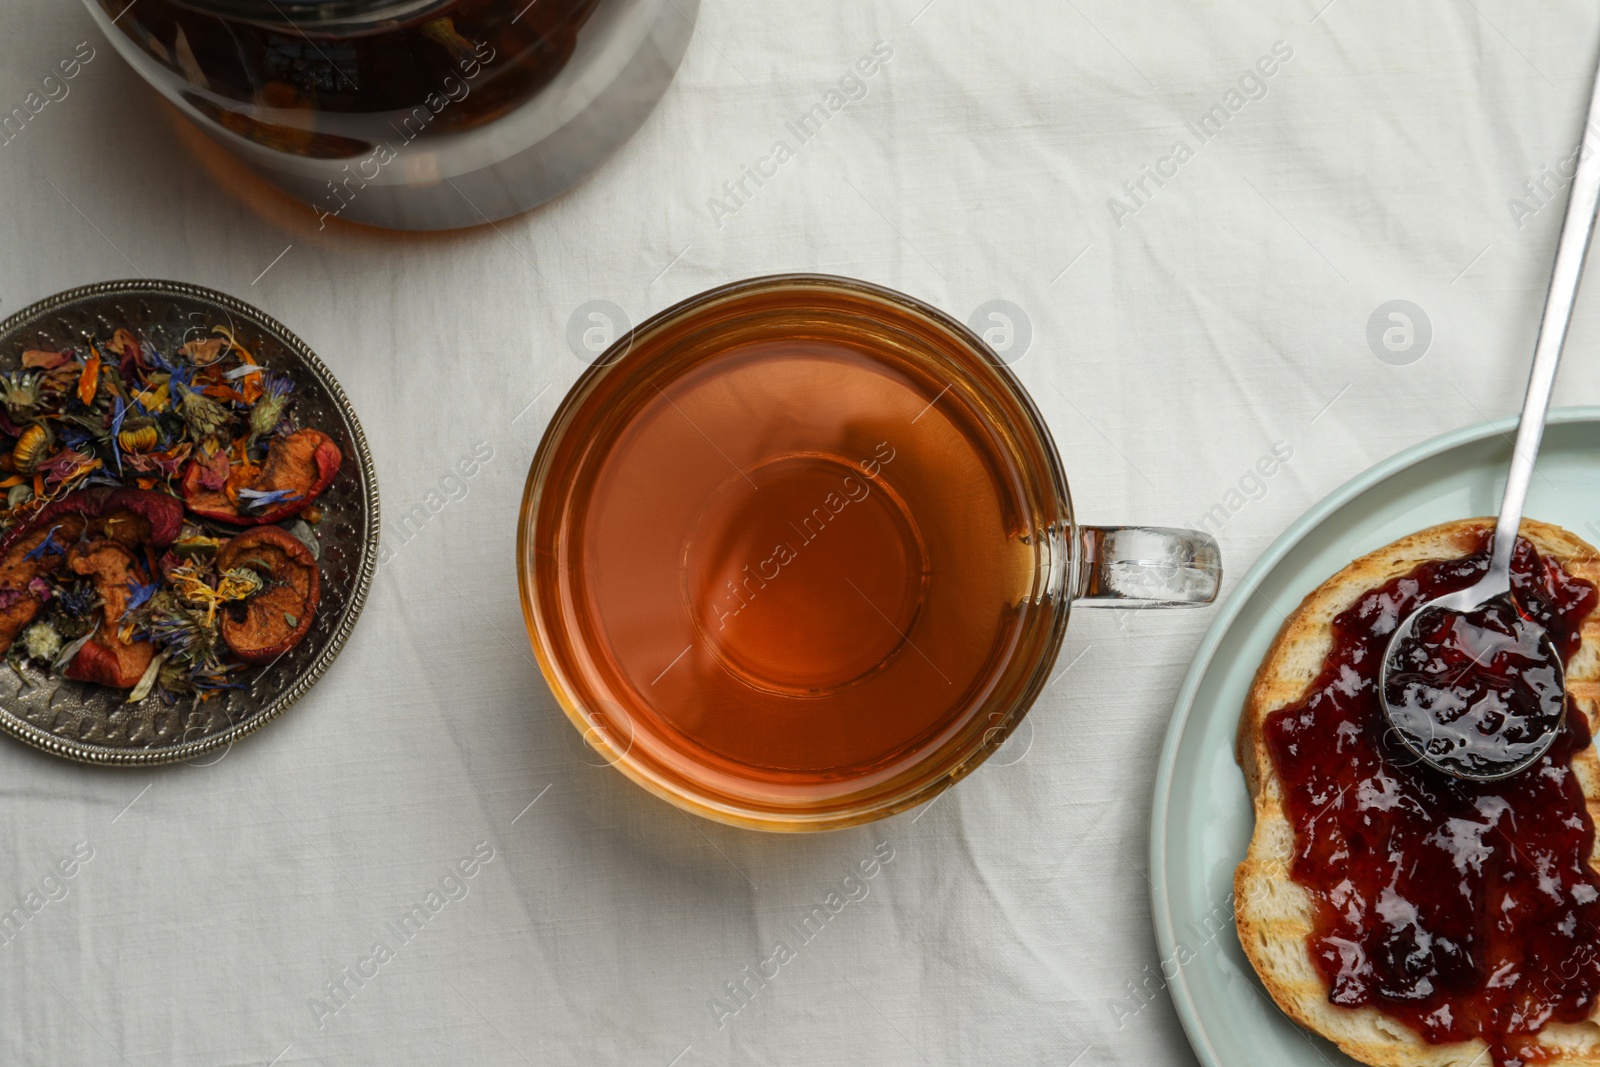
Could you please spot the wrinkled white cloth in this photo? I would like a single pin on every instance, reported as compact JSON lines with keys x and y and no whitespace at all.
{"x":1203,"y":212}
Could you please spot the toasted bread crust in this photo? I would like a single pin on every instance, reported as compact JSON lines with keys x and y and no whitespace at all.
{"x":1271,"y":910}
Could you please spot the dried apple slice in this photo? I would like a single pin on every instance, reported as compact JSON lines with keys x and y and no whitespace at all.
{"x":27,"y":557}
{"x":130,"y":517}
{"x":106,"y":658}
{"x":299,"y":467}
{"x":273,"y":621}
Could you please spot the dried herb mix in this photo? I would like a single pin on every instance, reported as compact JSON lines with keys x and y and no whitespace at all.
{"x":157,"y":532}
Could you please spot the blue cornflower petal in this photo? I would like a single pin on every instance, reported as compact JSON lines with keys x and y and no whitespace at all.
{"x":49,"y":544}
{"x":75,"y":437}
{"x":139,"y":593}
{"x":153,"y":356}
{"x":116,"y":428}
{"x":265,"y":498}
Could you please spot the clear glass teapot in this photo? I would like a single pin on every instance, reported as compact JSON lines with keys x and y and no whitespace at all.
{"x":413,"y":114}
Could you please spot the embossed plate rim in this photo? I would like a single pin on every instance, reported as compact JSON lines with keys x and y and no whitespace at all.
{"x":147,"y":288}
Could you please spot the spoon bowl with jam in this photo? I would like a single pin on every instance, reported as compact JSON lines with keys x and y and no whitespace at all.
{"x":1475,"y":689}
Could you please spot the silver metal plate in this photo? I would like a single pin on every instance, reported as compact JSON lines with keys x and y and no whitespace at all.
{"x":93,"y":723}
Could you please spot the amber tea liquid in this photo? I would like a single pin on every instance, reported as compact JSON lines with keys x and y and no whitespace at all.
{"x":792,"y":568}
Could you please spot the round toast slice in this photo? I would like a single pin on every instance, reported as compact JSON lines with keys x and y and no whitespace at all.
{"x":1273,"y":912}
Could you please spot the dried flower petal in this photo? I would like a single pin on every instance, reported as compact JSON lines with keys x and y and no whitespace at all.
{"x":204,"y":353}
{"x":124,"y":344}
{"x":38,"y":359}
{"x":89,"y":381}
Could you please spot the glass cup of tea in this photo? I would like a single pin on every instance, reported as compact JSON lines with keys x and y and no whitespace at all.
{"x":411,"y":114}
{"x":798,"y":553}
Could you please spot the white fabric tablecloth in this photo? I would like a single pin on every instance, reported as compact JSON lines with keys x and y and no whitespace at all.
{"x":1179,"y":333}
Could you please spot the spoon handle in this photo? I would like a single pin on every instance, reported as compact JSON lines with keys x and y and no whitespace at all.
{"x":1576,"y":228}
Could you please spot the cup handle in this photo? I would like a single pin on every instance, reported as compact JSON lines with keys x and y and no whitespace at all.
{"x":1146,"y":567}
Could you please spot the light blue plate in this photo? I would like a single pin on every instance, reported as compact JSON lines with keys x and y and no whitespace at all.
{"x":1201,"y":820}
